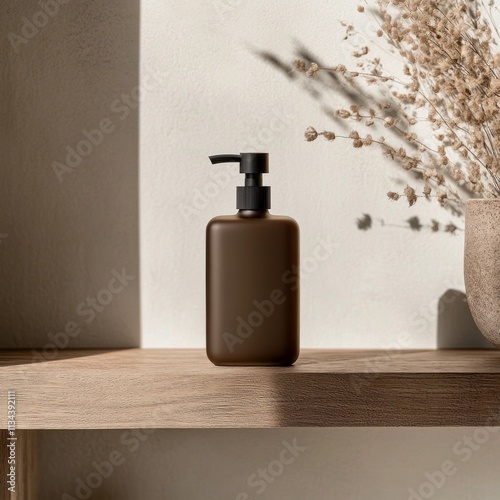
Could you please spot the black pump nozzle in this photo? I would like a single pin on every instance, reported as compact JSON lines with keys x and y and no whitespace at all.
{"x":225,"y":158}
{"x":252,"y":196}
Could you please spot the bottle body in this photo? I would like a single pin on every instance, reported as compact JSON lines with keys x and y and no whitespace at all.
{"x":252,"y":289}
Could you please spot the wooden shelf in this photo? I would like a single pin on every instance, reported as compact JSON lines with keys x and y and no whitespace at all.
{"x":158,"y":388}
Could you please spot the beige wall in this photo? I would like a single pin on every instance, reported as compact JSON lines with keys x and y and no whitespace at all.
{"x":220,"y":96}
{"x":336,"y":464}
{"x":67,"y":232}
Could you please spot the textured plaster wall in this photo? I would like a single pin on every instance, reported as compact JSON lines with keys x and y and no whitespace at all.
{"x":61,"y":74}
{"x":336,"y":464}
{"x":219,"y":96}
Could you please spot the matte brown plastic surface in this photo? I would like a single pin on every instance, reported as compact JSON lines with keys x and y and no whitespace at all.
{"x":252,"y":289}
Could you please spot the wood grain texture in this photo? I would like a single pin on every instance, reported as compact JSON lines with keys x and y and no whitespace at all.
{"x":157,"y":388}
{"x":26,"y":466}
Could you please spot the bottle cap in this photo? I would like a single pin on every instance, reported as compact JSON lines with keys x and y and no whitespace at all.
{"x":253,"y":195}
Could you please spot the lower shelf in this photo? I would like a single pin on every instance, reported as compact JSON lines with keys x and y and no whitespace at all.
{"x":159,"y":388}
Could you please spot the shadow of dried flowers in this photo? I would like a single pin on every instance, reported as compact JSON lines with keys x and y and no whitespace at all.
{"x":366,"y":222}
{"x":327,"y":85}
{"x":447,"y":84}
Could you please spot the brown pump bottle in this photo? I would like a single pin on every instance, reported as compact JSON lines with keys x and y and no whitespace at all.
{"x":252,"y":276}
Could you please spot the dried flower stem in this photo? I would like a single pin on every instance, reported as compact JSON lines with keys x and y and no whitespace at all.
{"x":451,"y":60}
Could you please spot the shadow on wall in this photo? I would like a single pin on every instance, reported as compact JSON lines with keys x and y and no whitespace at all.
{"x":456,"y":327}
{"x":330,"y":90}
{"x":69,"y":250}
{"x":414,"y":223}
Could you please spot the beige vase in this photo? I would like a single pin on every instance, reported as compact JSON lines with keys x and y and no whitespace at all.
{"x":482,"y":265}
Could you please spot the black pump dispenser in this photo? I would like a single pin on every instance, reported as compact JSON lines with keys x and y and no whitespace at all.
{"x":253,"y":195}
{"x":252,"y":311}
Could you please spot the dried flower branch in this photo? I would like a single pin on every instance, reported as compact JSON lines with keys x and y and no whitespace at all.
{"x":450,"y":84}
